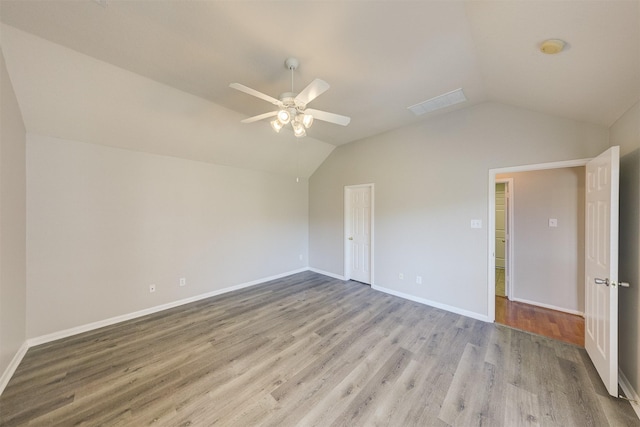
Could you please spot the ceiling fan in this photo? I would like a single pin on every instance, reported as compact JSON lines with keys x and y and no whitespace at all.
{"x":292,"y":108}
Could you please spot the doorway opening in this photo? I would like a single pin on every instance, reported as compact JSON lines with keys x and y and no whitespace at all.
{"x":546,"y":295}
{"x":493,"y":176}
{"x":359,"y":233}
{"x":503,"y":227}
{"x":522,"y":293}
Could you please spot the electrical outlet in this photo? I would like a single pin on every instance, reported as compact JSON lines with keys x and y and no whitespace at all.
{"x":476,"y":223}
{"x":183,"y":281}
{"x":419,"y":280}
{"x":553,"y":222}
{"x":152,"y":288}
{"x":401,"y":276}
{"x":300,"y":256}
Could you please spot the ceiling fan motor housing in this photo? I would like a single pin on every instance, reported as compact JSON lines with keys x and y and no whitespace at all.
{"x":288,"y":100}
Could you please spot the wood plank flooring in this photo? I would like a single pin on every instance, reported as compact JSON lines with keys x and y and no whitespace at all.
{"x":308,"y":350}
{"x":500,"y":282}
{"x":539,"y":320}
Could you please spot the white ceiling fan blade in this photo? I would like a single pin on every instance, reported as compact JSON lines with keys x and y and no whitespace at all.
{"x":260,"y":117}
{"x":311,"y":92}
{"x":248,"y":90}
{"x":328,"y":117}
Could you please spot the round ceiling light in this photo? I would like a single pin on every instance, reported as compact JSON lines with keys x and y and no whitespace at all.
{"x":552,"y":46}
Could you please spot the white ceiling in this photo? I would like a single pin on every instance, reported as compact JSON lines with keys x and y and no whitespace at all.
{"x":379,"y":57}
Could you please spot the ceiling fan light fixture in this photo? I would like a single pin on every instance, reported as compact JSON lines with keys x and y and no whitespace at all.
{"x":298,"y":129}
{"x":277,"y":125}
{"x":307,"y":120}
{"x":284,"y":116}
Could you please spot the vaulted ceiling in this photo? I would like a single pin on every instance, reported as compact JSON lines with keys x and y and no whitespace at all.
{"x":379,"y":57}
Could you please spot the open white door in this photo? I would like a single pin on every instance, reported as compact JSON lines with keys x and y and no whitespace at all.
{"x":601,"y":265}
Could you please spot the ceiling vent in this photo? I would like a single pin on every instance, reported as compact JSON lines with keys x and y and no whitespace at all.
{"x":441,"y":101}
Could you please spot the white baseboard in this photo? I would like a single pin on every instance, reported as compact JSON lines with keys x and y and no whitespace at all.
{"x":8,"y":373}
{"x":549,"y":306}
{"x":435,"y":304}
{"x":628,"y":390}
{"x":13,"y":365}
{"x":113,"y":320}
{"x":326,"y":273}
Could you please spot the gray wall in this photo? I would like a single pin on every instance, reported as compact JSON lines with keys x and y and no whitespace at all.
{"x":430,"y":180}
{"x":12,"y":223}
{"x":549,"y":262}
{"x":626,"y":133}
{"x":104,"y":223}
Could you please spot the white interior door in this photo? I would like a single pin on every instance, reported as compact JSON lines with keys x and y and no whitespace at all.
{"x":358,"y":233}
{"x":601,"y":266}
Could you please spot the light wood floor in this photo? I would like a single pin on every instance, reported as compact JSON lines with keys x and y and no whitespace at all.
{"x":308,"y":350}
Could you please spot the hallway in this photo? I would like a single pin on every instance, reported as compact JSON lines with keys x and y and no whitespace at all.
{"x":543,"y":321}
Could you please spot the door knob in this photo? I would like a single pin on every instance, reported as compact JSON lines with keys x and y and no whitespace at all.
{"x":350,"y":238}
{"x":601,"y":281}
{"x":623,"y":284}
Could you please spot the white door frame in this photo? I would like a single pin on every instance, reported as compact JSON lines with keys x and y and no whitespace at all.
{"x":345,"y":238}
{"x":491,"y":285}
{"x":508,"y":275}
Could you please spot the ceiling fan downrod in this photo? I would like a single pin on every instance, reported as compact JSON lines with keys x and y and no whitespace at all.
{"x":292,"y":64}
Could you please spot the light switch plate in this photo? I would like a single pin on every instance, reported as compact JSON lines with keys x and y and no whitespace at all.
{"x":553,"y":222}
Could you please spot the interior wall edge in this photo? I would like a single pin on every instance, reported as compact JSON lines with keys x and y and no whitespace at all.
{"x":629,"y":392}
{"x":549,"y":306}
{"x":13,"y":266}
{"x":327,"y":273}
{"x":13,"y":365}
{"x":435,"y":304}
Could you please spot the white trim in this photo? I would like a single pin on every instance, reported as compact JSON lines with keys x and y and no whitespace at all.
{"x":549,"y":306}
{"x":491,"y":264}
{"x":13,"y":365}
{"x":346,"y":261}
{"x":326,"y":273}
{"x":629,"y":392}
{"x":543,"y":166}
{"x":424,"y":301}
{"x":113,"y":320}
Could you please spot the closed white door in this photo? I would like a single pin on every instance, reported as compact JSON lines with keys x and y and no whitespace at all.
{"x":358,"y":233}
{"x":601,"y":266}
